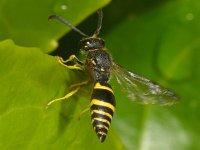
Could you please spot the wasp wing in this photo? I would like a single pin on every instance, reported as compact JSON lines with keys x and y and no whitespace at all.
{"x":142,"y":90}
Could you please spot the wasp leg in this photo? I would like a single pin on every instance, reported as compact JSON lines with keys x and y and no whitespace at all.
{"x":63,"y":98}
{"x":78,"y":66}
{"x":83,"y":111}
{"x":78,"y":84}
{"x":76,"y":87}
{"x":72,"y":58}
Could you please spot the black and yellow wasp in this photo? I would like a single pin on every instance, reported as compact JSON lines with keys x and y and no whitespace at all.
{"x":99,"y":66}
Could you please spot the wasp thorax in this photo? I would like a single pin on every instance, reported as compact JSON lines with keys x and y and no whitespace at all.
{"x":91,"y":43}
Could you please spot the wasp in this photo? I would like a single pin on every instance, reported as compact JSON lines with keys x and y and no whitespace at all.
{"x":99,"y":66}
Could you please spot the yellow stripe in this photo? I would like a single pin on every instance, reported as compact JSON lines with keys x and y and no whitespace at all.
{"x":102,"y":113}
{"x":101,"y":126}
{"x":102,"y":103}
{"x":99,"y":86}
{"x":100,"y":119}
{"x":102,"y":133}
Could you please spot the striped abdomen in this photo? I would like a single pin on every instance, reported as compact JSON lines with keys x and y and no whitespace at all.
{"x":102,"y":108}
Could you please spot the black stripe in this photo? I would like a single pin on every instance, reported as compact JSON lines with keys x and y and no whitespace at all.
{"x":104,"y":130}
{"x":103,"y":95}
{"x":103,"y":108}
{"x":96,"y":115}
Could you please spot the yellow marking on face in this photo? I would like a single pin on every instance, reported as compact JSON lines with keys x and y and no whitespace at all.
{"x":102,"y":120}
{"x":102,"y":69}
{"x":102,"y":103}
{"x":99,"y":86}
{"x":102,"y":113}
{"x":93,"y":62}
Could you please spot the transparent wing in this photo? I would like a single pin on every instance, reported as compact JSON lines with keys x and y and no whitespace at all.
{"x":142,"y":90}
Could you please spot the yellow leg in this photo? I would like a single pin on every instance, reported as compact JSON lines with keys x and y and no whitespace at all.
{"x":72,"y":58}
{"x":83,"y":111}
{"x":63,"y":98}
{"x":78,"y":84}
{"x":76,"y":87}
{"x":73,"y":67}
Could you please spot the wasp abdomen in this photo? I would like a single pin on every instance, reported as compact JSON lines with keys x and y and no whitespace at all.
{"x":102,"y":108}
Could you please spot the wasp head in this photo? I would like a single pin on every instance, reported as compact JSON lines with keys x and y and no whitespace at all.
{"x":91,"y":43}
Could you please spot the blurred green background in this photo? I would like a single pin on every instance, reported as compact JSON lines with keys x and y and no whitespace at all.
{"x":159,"y":40}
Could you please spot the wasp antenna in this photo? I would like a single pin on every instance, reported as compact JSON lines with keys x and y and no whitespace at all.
{"x":99,"y":24}
{"x":61,"y":19}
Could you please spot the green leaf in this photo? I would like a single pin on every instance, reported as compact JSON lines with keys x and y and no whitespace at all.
{"x":29,"y":79}
{"x":26,"y":22}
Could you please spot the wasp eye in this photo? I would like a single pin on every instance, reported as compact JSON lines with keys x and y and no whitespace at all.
{"x":88,"y":43}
